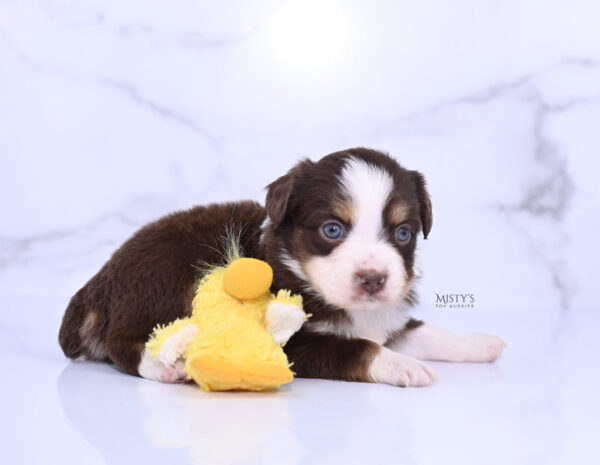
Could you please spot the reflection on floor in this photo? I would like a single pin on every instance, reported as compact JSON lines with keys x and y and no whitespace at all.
{"x":536,"y":405}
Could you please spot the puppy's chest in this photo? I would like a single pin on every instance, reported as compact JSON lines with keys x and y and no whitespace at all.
{"x":375,"y":325}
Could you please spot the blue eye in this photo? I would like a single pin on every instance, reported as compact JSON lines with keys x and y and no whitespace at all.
{"x":332,"y":230}
{"x":403,"y":233}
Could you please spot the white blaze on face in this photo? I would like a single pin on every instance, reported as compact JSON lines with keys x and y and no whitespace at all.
{"x":364,"y":247}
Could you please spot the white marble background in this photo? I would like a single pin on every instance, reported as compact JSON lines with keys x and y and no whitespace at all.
{"x":115,"y":112}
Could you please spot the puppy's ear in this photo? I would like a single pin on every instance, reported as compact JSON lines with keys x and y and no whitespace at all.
{"x":425,"y":209}
{"x":278,"y":196}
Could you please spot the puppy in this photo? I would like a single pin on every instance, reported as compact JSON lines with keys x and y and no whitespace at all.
{"x":341,"y":231}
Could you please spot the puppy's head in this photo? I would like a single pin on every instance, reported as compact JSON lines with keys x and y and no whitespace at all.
{"x":347,"y":225}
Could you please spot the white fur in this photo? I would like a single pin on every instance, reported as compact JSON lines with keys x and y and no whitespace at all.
{"x":294,"y":266}
{"x":96,"y":348}
{"x":176,"y":345}
{"x":375,"y":325}
{"x":169,"y":366}
{"x":88,"y":332}
{"x":283,"y":321}
{"x":263,"y":229}
{"x":399,"y":370}
{"x":334,"y":276}
{"x":150,"y":368}
{"x":431,"y":343}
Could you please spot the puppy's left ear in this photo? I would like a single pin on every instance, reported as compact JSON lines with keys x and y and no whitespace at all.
{"x":425,"y":209}
{"x":279,"y":194}
{"x":278,"y":197}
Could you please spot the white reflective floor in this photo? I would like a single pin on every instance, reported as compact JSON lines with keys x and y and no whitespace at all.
{"x":538,"y":404}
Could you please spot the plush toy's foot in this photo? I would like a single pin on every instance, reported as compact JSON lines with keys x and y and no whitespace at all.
{"x":216,"y":374}
{"x":283,"y":320}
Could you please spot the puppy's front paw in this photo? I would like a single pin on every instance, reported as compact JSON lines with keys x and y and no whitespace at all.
{"x":174,"y":373}
{"x":175,"y":346}
{"x":481,"y":348}
{"x":400,"y":370}
{"x":283,"y":321}
{"x":151,"y":368}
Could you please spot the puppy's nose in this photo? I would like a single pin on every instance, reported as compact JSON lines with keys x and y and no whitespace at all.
{"x":371,"y":280}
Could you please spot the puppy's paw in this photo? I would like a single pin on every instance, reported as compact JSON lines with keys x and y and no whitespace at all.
{"x":174,"y":373}
{"x":481,"y":348}
{"x":151,"y":368}
{"x":175,"y":346}
{"x":283,"y":321}
{"x":400,"y":370}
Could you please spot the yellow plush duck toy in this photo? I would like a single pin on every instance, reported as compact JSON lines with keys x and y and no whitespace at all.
{"x":232,"y":340}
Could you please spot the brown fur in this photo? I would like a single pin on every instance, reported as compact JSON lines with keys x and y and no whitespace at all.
{"x":343,"y":210}
{"x":332,"y":357}
{"x":398,"y":212}
{"x":150,"y":280}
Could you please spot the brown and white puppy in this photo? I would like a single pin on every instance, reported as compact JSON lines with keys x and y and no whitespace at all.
{"x":341,"y":231}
